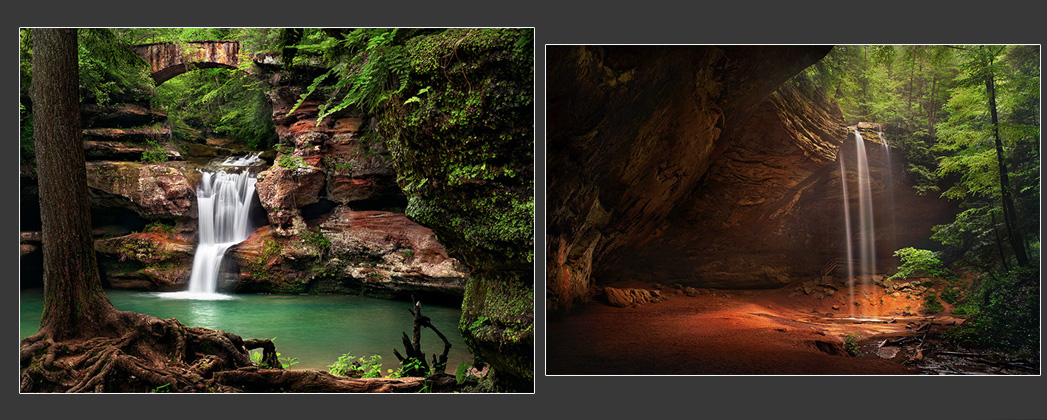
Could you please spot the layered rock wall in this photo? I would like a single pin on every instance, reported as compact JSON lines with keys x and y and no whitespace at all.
{"x":738,"y":228}
{"x":763,"y":208}
{"x":631,"y":132}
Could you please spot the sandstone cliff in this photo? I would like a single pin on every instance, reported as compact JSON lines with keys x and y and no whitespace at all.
{"x":668,"y":176}
{"x":631,"y":131}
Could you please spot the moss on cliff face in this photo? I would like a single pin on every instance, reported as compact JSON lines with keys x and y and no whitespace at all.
{"x":455,"y":110}
{"x":462,"y":137}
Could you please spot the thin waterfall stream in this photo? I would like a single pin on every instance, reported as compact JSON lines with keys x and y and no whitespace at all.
{"x":847,"y":238}
{"x":866,"y":226}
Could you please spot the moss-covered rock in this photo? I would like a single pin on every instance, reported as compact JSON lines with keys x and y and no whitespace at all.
{"x":155,"y":261}
{"x":462,"y":138}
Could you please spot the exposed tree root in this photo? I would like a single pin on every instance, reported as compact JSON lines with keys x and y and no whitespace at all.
{"x":142,"y":353}
{"x":278,"y":380}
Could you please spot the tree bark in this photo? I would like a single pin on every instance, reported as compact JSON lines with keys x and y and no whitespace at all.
{"x":1009,"y":216}
{"x":74,"y":303}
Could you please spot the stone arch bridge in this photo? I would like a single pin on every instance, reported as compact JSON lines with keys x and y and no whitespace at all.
{"x":169,"y":59}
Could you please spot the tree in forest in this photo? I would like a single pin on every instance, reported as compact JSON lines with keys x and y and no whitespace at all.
{"x":84,"y":343}
{"x":990,"y":142}
{"x":967,"y":120}
{"x":74,"y":302}
{"x":971,"y":140}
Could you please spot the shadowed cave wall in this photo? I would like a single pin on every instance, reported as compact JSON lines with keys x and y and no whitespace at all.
{"x":700,"y":165}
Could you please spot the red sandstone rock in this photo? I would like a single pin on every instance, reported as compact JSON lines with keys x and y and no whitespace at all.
{"x":283,"y":191}
{"x":380,"y":252}
{"x":146,"y":261}
{"x":152,"y":190}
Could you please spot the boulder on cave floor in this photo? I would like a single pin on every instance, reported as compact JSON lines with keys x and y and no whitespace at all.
{"x":623,"y":298}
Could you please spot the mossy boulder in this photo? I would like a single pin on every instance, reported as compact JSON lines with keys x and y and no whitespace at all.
{"x":462,"y":138}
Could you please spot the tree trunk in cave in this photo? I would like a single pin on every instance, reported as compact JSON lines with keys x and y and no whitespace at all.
{"x":74,"y":303}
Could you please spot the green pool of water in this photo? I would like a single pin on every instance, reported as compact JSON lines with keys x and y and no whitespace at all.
{"x":316,"y":329}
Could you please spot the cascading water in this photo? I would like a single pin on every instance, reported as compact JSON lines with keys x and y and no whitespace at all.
{"x":866,"y":227}
{"x":847,"y":238}
{"x":224,"y":200}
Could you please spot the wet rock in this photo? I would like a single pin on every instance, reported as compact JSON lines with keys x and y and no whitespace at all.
{"x":116,"y":151}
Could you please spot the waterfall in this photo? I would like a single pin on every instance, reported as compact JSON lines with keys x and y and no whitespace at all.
{"x":866,"y":227}
{"x":847,"y":238}
{"x":224,"y":200}
{"x":250,"y":159}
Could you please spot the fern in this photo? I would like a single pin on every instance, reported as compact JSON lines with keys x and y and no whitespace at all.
{"x":373,"y":70}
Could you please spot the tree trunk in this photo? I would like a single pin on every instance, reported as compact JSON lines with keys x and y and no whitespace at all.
{"x":1009,"y":216}
{"x":73,"y":298}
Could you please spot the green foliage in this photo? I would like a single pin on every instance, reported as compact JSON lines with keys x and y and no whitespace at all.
{"x":363,"y":367}
{"x":156,"y":154}
{"x":461,"y":375}
{"x":219,"y":102}
{"x":951,"y":295}
{"x":1003,"y":312}
{"x":110,"y":72}
{"x":931,"y":305}
{"x":259,"y":266}
{"x":26,"y":145}
{"x":286,"y":160}
{"x":161,"y":389}
{"x":160,"y":227}
{"x":285,"y":362}
{"x":411,"y":367}
{"x":919,"y":261}
{"x":370,"y":66}
{"x":334,"y":165}
{"x":316,"y":239}
{"x":850,"y":343}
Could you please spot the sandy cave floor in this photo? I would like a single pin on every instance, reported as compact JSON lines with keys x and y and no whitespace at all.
{"x":725,"y":332}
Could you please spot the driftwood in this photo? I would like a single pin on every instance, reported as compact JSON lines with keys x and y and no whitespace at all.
{"x":413,"y":346}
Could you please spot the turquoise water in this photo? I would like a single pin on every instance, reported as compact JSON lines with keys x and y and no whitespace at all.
{"x":316,"y":329}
